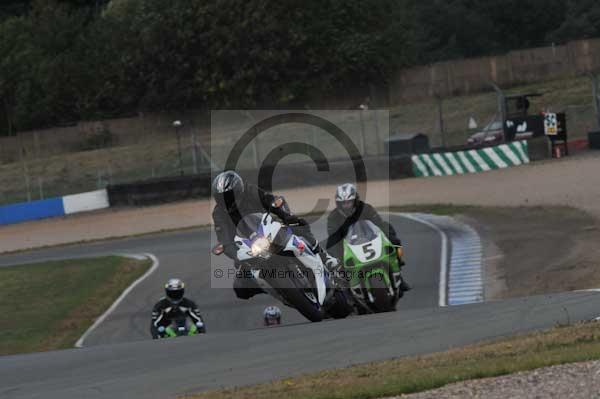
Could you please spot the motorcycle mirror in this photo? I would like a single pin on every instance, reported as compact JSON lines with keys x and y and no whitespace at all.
{"x":218,"y":249}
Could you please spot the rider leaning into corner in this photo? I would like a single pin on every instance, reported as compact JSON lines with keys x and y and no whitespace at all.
{"x":350,"y":209}
{"x":235,"y":199}
{"x":172,"y":306}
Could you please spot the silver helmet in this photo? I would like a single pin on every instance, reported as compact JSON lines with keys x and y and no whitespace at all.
{"x":346,"y":197}
{"x":174,"y":289}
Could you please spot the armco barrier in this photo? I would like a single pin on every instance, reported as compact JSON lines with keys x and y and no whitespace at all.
{"x":17,"y":213}
{"x":52,"y":207}
{"x":471,"y":161}
{"x":89,"y":201}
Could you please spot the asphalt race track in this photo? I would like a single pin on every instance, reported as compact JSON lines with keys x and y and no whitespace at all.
{"x":185,"y":255}
{"x":119,"y":359}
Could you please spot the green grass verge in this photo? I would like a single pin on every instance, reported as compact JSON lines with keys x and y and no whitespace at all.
{"x":419,"y":373}
{"x":49,"y":305}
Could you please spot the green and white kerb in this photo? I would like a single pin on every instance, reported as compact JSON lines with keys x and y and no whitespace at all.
{"x":471,"y":161}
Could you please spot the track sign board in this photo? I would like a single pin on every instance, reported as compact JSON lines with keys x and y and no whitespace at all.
{"x":550,"y":124}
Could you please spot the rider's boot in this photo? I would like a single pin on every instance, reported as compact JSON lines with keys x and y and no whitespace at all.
{"x":244,"y":285}
{"x":404,"y":286}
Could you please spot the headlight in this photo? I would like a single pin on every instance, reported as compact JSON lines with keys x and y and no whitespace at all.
{"x":260,"y":247}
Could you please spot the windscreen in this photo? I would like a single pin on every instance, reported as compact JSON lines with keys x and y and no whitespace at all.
{"x":361,"y":232}
{"x":249,"y":224}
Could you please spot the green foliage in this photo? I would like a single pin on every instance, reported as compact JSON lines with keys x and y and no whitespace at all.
{"x":582,"y":21}
{"x":467,"y":28}
{"x":67,"y":60}
{"x":63,"y":63}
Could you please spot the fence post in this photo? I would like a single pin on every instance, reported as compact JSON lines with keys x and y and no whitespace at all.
{"x":363,"y":143}
{"x":24,"y":165}
{"x":41,"y":187}
{"x":194,"y":151}
{"x":380,"y":145}
{"x":596,"y":94}
{"x":99,"y":184}
{"x":440,"y":103}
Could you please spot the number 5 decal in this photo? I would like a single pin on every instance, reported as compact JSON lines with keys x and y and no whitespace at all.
{"x":369,"y":252}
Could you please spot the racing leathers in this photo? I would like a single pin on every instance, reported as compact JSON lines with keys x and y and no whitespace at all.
{"x":256,"y":200}
{"x":165,"y":311}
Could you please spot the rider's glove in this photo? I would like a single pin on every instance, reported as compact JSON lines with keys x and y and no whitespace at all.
{"x":331,"y":263}
{"x":400,"y":252}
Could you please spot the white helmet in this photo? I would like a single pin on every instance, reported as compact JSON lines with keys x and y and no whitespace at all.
{"x":272,"y":315}
{"x":345,"y":198}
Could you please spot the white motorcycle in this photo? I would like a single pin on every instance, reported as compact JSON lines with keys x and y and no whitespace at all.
{"x":284,"y":266}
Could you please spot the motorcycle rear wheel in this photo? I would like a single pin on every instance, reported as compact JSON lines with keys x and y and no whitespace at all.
{"x":340,"y":308}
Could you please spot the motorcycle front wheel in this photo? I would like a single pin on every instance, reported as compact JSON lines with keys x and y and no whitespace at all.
{"x":302,"y":298}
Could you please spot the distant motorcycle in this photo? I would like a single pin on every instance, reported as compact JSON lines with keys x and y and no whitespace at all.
{"x":372,"y":268}
{"x":284,"y":266}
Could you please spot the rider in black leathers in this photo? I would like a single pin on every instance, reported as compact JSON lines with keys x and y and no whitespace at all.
{"x":174,"y":306}
{"x":350,"y":209}
{"x":235,"y":199}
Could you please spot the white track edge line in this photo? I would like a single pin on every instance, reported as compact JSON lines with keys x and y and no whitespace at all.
{"x":444,"y":258}
{"x":99,"y":320}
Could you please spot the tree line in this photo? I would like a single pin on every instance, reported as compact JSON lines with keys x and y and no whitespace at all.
{"x":63,"y":61}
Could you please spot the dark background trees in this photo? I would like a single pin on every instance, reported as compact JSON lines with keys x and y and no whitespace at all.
{"x":66,"y":60}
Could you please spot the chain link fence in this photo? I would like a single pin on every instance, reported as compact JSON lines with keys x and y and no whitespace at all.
{"x":72,"y":160}
{"x":34,"y":176}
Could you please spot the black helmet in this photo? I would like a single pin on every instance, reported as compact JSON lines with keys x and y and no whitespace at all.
{"x":174,"y":290}
{"x":227,"y":187}
{"x":346,"y":197}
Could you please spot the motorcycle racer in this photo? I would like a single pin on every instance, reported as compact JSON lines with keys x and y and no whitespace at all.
{"x":235,"y":199}
{"x":272,"y":316}
{"x":173,"y":306}
{"x":349,"y":209}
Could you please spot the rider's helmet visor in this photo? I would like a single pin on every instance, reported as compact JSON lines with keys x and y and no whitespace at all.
{"x":175,"y":295}
{"x":272,"y":321}
{"x":346,"y":206}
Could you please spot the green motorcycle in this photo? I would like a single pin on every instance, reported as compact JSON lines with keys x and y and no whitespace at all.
{"x":372,"y":268}
{"x":181,"y":327}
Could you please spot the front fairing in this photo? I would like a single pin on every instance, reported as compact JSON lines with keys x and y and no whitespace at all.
{"x":181,"y":326}
{"x":368,"y":254}
{"x":283,"y":243}
{"x":312,"y":261}
{"x":255,"y":227}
